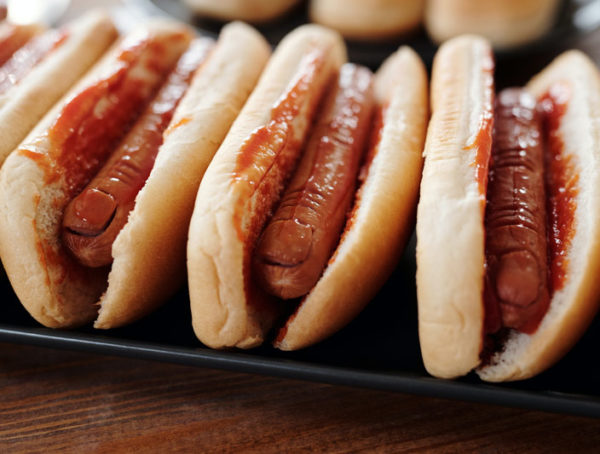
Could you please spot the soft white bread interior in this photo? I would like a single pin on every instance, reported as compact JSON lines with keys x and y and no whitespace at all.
{"x":368,"y":19}
{"x":51,"y":285}
{"x":450,"y":235}
{"x":383,"y":216}
{"x":149,"y":253}
{"x":246,"y":10}
{"x":25,"y":104}
{"x":227,"y":310}
{"x":573,"y":306}
{"x":506,"y":23}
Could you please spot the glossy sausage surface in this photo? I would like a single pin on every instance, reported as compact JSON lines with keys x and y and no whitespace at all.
{"x":516,"y":290}
{"x":94,"y":218}
{"x":298,"y":241}
{"x":22,"y":61}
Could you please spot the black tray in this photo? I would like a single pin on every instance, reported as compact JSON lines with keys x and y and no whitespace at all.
{"x":379,"y":349}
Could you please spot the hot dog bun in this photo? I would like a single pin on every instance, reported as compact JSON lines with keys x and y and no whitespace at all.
{"x":450,"y":210}
{"x":53,"y":287}
{"x":229,"y":308}
{"x":22,"y":106}
{"x":506,"y":23}
{"x":247,"y":10}
{"x":368,"y":19}
{"x":450,"y":222}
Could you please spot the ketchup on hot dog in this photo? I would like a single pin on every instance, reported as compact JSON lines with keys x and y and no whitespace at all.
{"x":297,"y":242}
{"x":93,"y":219}
{"x":23,"y":60}
{"x":516,"y":287}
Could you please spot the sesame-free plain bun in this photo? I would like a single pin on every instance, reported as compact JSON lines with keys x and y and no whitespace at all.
{"x":43,"y":174}
{"x":454,"y":283}
{"x":231,"y":304}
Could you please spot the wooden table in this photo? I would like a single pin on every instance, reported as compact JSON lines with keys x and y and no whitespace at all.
{"x":54,"y":400}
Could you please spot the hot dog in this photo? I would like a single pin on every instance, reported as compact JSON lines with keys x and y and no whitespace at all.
{"x":240,"y":256}
{"x":71,"y":149}
{"x":42,"y":71}
{"x":508,"y":191}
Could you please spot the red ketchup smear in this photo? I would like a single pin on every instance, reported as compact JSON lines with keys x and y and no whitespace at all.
{"x":562,"y":181}
{"x":483,"y":141}
{"x":373,"y":147}
{"x":84,"y":134}
{"x":269,"y":146}
{"x":266,"y":155}
{"x":12,"y":38}
{"x":24,"y":59}
{"x":144,"y":139}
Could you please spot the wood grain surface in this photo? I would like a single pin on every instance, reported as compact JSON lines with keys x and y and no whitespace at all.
{"x":59,"y":401}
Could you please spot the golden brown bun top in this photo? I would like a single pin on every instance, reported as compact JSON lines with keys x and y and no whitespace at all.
{"x":450,"y":235}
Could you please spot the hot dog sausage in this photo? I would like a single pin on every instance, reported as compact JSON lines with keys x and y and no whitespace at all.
{"x":24,"y":59}
{"x":297,"y":242}
{"x":93,"y":219}
{"x":517,"y":293}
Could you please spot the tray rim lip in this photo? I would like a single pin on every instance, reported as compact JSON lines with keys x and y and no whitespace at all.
{"x":247,"y":362}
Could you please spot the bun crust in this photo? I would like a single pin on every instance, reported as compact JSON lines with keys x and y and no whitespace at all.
{"x":573,"y":307}
{"x":450,"y":235}
{"x":27,"y":102}
{"x":506,"y":23}
{"x":149,"y":252}
{"x":227,"y":311}
{"x":368,"y":19}
{"x":383,"y":214}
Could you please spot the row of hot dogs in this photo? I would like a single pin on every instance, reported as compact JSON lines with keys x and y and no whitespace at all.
{"x":286,"y":185}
